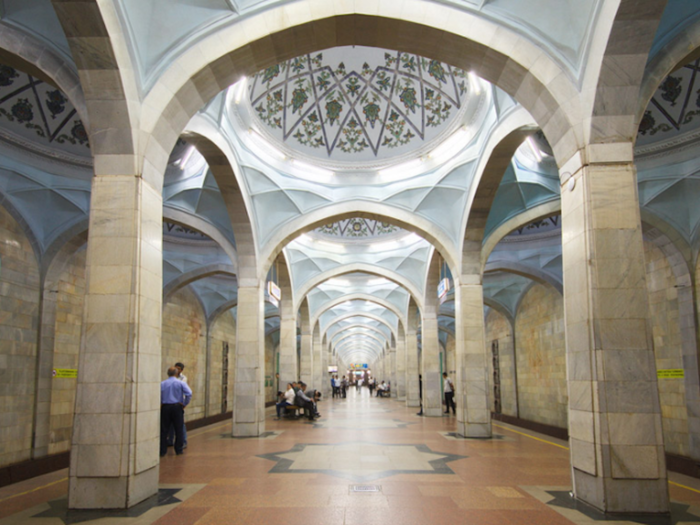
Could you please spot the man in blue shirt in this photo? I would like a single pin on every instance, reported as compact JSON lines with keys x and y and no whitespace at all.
{"x":174,"y":397}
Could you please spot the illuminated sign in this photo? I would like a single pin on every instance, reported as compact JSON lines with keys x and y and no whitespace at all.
{"x":65,"y":372}
{"x":274,"y":293}
{"x":673,"y":373}
{"x":443,"y":288}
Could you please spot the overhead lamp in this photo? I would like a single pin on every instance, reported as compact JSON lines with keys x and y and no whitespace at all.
{"x":240,"y":90}
{"x":475,"y":83}
{"x":186,"y":158}
{"x":309,"y":169}
{"x":448,"y":147}
{"x":402,"y":170}
{"x":535,"y":150}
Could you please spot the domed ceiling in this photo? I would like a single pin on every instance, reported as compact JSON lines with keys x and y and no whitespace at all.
{"x":358,"y":104}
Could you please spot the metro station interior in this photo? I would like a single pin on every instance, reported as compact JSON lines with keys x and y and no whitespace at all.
{"x":275,"y":191}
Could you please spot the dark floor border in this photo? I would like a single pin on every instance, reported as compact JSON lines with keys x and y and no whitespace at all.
{"x":547,"y":430}
{"x":206,"y":421}
{"x":674,"y":463}
{"x":33,"y":468}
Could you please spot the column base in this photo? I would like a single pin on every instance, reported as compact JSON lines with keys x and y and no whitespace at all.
{"x":474,"y":430}
{"x":432,"y":412}
{"x":412,"y":403}
{"x":248,"y":429}
{"x":112,"y":493}
{"x":621,"y":496}
{"x":401,"y":398}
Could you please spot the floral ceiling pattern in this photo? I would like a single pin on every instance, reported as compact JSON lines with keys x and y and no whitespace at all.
{"x":39,"y":112}
{"x":352,"y":101}
{"x":357,"y":228}
{"x":675,"y":107}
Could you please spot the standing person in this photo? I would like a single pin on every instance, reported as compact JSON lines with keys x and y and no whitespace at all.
{"x":171,"y":436}
{"x":334,"y":386}
{"x":174,"y":397}
{"x":420,"y":394}
{"x":449,"y":394}
{"x":344,"y":387}
{"x":371,"y":384}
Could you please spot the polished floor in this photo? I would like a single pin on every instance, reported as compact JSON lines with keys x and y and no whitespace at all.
{"x":366,"y":461}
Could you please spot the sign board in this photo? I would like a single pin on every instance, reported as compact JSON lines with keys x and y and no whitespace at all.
{"x":359,"y":366}
{"x":672,"y":373}
{"x":274,"y":293}
{"x":333,"y":369}
{"x":65,"y":372}
{"x":443,"y":288}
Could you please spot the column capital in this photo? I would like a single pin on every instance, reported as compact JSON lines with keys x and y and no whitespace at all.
{"x":614,"y":153}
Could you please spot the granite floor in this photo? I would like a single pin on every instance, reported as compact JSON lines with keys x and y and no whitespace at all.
{"x":366,"y":461}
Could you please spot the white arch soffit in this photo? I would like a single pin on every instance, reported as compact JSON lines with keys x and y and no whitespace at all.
{"x":355,"y":326}
{"x":522,"y":270}
{"x":538,"y":212}
{"x":187,"y":278}
{"x":515,"y":120}
{"x":203,"y":126}
{"x":361,"y":297}
{"x":360,"y":208}
{"x":284,"y":17}
{"x":183,"y":217}
{"x":363,"y":345}
{"x":364,"y":268}
{"x":360,"y":314}
{"x":339,"y":342}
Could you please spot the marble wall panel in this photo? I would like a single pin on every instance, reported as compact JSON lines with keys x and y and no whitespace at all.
{"x":184,"y":341}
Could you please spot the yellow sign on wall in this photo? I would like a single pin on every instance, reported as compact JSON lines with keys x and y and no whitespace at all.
{"x":672,"y":373}
{"x":65,"y":372}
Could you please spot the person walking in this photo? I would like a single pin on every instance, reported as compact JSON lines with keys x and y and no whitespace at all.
{"x":449,"y":394}
{"x":174,"y":397}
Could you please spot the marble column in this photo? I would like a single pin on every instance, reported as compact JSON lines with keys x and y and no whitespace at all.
{"x":430,"y":356}
{"x":412,"y":368}
{"x":617,"y":453}
{"x":390,"y":372}
{"x":306,"y":355}
{"x":318,"y":377}
{"x":400,"y":386}
{"x":288,"y":328}
{"x":249,"y":372}
{"x":471,"y":398}
{"x":114,"y":455}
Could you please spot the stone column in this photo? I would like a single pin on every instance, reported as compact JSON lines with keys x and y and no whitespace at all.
{"x":412,"y":368}
{"x":306,"y":356}
{"x":617,"y":452}
{"x":288,"y":332}
{"x":472,"y":399}
{"x":432,"y":398}
{"x":248,"y":385}
{"x":390,"y":371}
{"x":116,"y":433}
{"x":318,"y":377}
{"x":400,"y":387}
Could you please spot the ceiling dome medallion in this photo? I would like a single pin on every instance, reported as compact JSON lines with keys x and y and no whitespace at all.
{"x":358,"y":104}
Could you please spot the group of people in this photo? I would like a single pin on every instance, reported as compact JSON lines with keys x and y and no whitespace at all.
{"x":175,"y":395}
{"x":298,"y":395}
{"x":339,"y":387}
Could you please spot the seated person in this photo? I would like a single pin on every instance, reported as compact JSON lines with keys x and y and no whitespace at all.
{"x":286,"y":400}
{"x":382,"y":390}
{"x":305,"y":401}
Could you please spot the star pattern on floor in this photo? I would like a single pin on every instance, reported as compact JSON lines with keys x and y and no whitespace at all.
{"x":360,"y":461}
{"x":679,"y":512}
{"x":59,"y":509}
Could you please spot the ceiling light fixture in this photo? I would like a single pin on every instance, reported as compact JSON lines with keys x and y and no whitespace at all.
{"x":475,"y":83}
{"x":535,"y":150}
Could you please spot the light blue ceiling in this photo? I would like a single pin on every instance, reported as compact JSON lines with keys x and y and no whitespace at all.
{"x":678,"y":15}
{"x":506,"y":289}
{"x":37,"y":18}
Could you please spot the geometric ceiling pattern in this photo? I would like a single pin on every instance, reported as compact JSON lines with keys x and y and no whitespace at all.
{"x":675,"y":107}
{"x":357,"y":104}
{"x":357,"y":228}
{"x":35,"y":111}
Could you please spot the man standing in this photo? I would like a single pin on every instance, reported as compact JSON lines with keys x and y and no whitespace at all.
{"x":174,"y":397}
{"x":449,"y":394}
